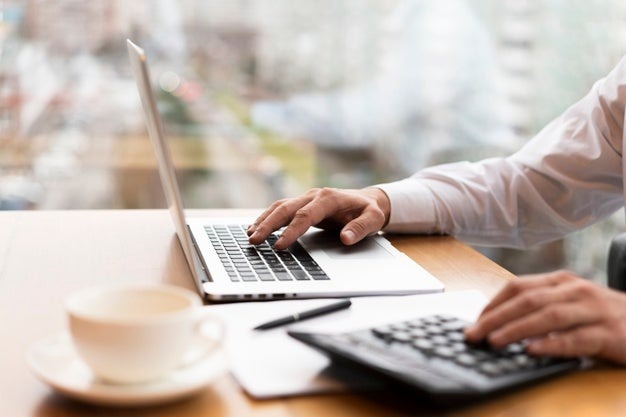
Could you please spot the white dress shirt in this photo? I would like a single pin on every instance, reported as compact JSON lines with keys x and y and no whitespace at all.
{"x":568,"y":176}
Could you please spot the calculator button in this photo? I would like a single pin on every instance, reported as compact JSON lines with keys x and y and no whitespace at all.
{"x":525,"y":361}
{"x":507,"y":365}
{"x":466,"y":360}
{"x":452,"y":326}
{"x":432,"y":329}
{"x":401,"y":336}
{"x":383,"y":331}
{"x":444,"y":352}
{"x":514,"y":348}
{"x":423,"y":345}
{"x":456,"y":337}
{"x":440,"y":340}
{"x":490,"y":368}
{"x":458,"y":347}
{"x":417,"y":332}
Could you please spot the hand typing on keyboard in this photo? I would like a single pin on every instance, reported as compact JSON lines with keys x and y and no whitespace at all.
{"x":441,"y":336}
{"x":559,"y":314}
{"x":431,"y":354}
{"x":356,"y":213}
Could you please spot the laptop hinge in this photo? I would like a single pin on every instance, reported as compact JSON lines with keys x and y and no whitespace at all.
{"x":205,"y":277}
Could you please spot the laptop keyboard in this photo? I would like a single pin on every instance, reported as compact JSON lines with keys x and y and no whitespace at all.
{"x":430,"y":353}
{"x":245,"y":262}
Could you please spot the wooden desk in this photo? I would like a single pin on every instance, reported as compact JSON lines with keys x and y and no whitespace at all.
{"x":46,"y":255}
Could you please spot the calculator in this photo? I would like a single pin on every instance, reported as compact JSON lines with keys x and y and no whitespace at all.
{"x":430,"y":354}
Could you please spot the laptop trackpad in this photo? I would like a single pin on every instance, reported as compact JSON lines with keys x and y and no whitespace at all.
{"x":367,"y":249}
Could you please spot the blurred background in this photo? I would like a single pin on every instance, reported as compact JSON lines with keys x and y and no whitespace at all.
{"x":264,"y":99}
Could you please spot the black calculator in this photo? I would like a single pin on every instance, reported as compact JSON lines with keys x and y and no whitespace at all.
{"x":430,"y":354}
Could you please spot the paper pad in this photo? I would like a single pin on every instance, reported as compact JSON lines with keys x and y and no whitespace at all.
{"x":270,"y":364}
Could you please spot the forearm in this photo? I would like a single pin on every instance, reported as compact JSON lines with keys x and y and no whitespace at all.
{"x":494,"y":202}
{"x":565,"y":178}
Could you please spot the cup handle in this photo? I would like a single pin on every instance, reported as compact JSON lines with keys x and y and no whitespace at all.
{"x":204,"y":344}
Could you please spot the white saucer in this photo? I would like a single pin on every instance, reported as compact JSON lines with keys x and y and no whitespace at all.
{"x":56,"y":363}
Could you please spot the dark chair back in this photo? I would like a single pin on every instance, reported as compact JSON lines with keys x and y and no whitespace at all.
{"x":616,"y":268}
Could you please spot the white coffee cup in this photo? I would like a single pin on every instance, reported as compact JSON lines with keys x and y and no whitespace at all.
{"x":134,"y":333}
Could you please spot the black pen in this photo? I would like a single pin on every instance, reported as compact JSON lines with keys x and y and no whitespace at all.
{"x":319,"y":311}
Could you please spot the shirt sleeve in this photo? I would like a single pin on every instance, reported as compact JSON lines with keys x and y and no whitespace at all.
{"x":565,"y":178}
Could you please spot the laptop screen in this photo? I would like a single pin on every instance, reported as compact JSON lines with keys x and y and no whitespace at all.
{"x":164,"y":157}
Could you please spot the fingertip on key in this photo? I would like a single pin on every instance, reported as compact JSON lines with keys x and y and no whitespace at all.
{"x":470,"y":332}
{"x":254,"y":238}
{"x":280,"y":243}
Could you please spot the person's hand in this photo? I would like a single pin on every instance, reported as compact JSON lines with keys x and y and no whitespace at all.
{"x":356,"y":213}
{"x":559,"y":314}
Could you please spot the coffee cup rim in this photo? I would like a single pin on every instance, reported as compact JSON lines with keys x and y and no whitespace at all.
{"x":74,"y":309}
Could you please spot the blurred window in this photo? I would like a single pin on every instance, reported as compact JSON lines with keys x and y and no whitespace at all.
{"x":265,"y":98}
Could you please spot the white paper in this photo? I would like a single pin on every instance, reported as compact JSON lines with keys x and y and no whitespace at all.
{"x":269,"y":363}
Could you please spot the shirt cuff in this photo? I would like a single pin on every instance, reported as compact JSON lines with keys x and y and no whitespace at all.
{"x":412,"y":207}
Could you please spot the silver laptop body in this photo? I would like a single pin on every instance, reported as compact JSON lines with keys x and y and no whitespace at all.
{"x":372,"y":267}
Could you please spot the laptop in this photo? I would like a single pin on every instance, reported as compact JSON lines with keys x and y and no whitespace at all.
{"x":226,"y":267}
